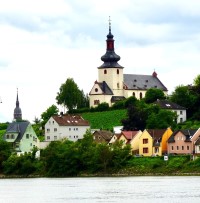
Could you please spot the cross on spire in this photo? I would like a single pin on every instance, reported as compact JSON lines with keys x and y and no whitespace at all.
{"x":109,"y":20}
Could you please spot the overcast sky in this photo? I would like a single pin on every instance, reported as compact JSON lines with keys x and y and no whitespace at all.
{"x":44,"y":42}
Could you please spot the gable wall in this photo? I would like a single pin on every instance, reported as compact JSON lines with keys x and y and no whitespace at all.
{"x":149,"y":145}
{"x":27,"y":144}
{"x":176,"y":147}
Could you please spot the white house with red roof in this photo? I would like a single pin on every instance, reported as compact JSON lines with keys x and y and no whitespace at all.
{"x":71,"y":127}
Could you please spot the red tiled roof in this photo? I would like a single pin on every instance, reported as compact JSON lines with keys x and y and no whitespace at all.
{"x":70,"y":120}
{"x":129,"y":134}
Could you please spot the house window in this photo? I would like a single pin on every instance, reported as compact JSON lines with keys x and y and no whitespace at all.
{"x":48,"y":130}
{"x":156,"y":149}
{"x":172,"y":147}
{"x":105,"y":71}
{"x":48,"y":137}
{"x":188,"y":147}
{"x":27,"y":136}
{"x":7,"y":136}
{"x":181,"y":112}
{"x":182,"y":147}
{"x":55,"y":129}
{"x":55,"y":137}
{"x":69,"y":129}
{"x":49,"y":122}
{"x":117,"y":71}
{"x":76,"y":136}
{"x":76,"y":129}
{"x":145,"y":141}
{"x":117,"y":85}
{"x":177,"y":147}
{"x":53,"y":122}
{"x":96,"y":102}
{"x":12,"y":136}
{"x":96,"y":89}
{"x":181,"y":120}
{"x":133,"y":94}
{"x":145,"y":150}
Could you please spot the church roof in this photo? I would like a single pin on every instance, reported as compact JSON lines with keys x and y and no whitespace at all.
{"x":105,"y":88}
{"x":17,"y":127}
{"x":143,"y":82}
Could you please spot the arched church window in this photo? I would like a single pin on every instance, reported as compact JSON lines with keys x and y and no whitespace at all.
{"x":117,"y":71}
{"x":140,"y":95}
{"x":105,"y":71}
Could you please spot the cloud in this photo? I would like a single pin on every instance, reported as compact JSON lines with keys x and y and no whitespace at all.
{"x":45,"y":42}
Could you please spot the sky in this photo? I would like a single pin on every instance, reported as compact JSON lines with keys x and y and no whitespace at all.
{"x":45,"y":42}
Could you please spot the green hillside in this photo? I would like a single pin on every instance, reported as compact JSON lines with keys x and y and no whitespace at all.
{"x":105,"y":120}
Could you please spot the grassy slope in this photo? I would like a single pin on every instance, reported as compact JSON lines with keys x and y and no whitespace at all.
{"x":105,"y":120}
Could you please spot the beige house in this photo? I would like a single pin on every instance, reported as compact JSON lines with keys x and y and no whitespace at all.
{"x":102,"y":136}
{"x":183,"y":141}
{"x":113,"y":85}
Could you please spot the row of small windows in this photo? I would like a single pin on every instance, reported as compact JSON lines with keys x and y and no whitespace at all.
{"x":105,"y":71}
{"x":182,"y":148}
{"x":70,"y":136}
{"x":55,"y":129}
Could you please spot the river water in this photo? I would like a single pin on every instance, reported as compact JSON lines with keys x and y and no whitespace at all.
{"x":151,"y":189}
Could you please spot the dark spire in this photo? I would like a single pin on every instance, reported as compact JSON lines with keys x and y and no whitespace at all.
{"x":17,"y":110}
{"x":110,"y":58}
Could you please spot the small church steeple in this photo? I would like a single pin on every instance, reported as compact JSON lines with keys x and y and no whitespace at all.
{"x":110,"y":58}
{"x":17,"y":110}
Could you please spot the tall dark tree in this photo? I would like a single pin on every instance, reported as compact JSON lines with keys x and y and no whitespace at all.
{"x":69,"y":95}
{"x":153,"y":94}
{"x":135,"y":119}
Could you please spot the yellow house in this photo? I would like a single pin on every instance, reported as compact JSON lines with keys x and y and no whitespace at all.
{"x":145,"y":144}
{"x":135,"y":142}
{"x":153,"y":142}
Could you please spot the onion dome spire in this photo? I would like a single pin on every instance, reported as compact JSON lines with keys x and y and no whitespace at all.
{"x":17,"y":110}
{"x":110,"y":58}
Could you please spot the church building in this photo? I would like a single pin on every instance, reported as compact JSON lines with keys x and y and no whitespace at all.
{"x":113,"y":85}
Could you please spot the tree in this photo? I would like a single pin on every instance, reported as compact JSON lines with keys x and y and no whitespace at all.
{"x":186,"y":97}
{"x":161,"y":120}
{"x":136,"y":118}
{"x":52,"y":110}
{"x":5,"y":152}
{"x":70,"y":96}
{"x":153,"y":94}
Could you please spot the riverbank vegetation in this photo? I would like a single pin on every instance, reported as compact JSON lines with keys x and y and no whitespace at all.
{"x":88,"y":158}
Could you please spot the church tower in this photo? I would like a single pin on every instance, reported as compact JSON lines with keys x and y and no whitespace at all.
{"x":110,"y":71}
{"x":17,"y":110}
